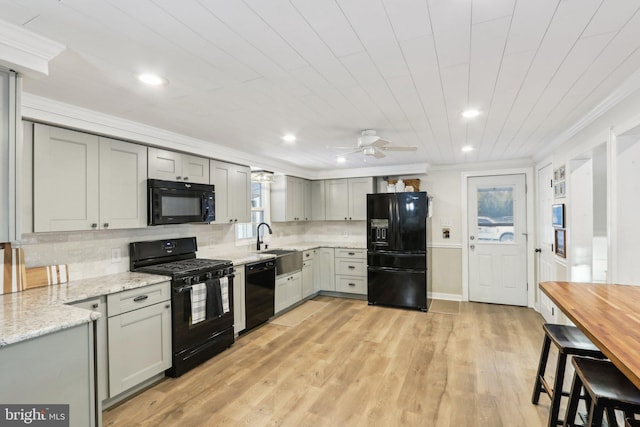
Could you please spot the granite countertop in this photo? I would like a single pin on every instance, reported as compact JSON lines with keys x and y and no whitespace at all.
{"x":244,"y":256}
{"x":40,"y":311}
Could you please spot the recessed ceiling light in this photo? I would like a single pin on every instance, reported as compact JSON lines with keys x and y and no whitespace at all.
{"x":289,"y":137}
{"x":152,"y":79}
{"x":467,"y":148}
{"x":341,"y":159}
{"x":470,"y":114}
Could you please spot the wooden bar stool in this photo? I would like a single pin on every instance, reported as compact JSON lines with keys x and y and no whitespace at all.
{"x":570,"y":341}
{"x":606,"y":389}
{"x":630,"y":422}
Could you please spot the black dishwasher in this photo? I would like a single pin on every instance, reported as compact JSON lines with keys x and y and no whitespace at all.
{"x":260,"y":286}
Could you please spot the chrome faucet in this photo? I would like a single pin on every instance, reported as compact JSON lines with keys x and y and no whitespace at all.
{"x":258,"y":233}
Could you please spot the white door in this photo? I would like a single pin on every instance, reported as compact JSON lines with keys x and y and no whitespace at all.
{"x":545,"y":240}
{"x":497,"y":239}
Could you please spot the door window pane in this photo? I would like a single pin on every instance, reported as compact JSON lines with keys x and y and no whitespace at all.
{"x":495,"y":214}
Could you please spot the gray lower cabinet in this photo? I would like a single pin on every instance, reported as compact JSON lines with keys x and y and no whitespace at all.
{"x":308,"y":278}
{"x":139,"y":336}
{"x":52,"y":369}
{"x":288,"y":290}
{"x":325,"y":263}
{"x":351,"y":271}
{"x":239,"y":312}
{"x":99,"y":304}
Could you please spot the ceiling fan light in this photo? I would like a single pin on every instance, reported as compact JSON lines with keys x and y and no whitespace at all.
{"x":369,"y":151}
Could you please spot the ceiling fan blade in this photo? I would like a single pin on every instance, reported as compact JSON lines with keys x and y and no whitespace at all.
{"x":381,"y":143}
{"x":398,"y":148}
{"x":350,"y":152}
{"x":378,"y":154}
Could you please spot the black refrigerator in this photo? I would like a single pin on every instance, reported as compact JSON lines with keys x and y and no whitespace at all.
{"x":397,"y":256}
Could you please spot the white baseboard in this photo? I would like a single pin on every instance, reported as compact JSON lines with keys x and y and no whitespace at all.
{"x":447,"y":297}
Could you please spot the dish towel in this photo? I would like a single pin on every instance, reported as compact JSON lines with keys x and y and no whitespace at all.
{"x":224,"y":292}
{"x":198,"y":303}
{"x":214,"y":298}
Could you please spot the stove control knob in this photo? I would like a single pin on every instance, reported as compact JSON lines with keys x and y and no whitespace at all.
{"x":187,"y":280}
{"x":209,"y":275}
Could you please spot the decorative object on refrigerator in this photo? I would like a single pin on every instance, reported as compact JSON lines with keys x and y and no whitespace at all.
{"x":400,"y":186}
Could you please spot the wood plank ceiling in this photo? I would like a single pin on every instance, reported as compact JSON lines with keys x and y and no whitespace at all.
{"x":243,"y":73}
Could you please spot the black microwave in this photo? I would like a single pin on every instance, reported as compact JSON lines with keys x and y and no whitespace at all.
{"x":180,"y":202}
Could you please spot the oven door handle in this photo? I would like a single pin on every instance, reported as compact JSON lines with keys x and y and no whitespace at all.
{"x":186,"y":288}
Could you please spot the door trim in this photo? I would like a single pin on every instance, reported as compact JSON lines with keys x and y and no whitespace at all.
{"x":531,"y":240}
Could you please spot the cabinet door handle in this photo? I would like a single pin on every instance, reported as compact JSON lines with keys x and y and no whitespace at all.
{"x":351,"y":267}
{"x":185,"y":178}
{"x":94,"y":225}
{"x":352,"y":253}
{"x":167,"y":306}
{"x":140,"y":298}
{"x":178,"y":177}
{"x":352,"y":284}
{"x":94,"y":305}
{"x":105,"y":225}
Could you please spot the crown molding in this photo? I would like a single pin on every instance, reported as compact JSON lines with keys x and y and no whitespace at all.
{"x":46,"y":110}
{"x":628,"y":87}
{"x":25,"y":51}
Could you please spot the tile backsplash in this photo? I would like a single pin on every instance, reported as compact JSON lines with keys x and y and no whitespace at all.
{"x":97,"y":253}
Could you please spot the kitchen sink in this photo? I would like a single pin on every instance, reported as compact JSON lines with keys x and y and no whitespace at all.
{"x":278,"y":252}
{"x":287,"y":260}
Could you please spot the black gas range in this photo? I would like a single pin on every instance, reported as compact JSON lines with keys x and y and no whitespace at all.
{"x":201,"y":298}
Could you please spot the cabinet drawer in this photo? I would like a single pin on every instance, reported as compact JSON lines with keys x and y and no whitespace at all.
{"x":351,"y":253}
{"x":351,"y":267}
{"x":350,"y":284}
{"x":134,"y":299}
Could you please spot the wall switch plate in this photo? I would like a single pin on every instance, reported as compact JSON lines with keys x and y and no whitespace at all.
{"x":446,"y":233}
{"x":116,"y":254}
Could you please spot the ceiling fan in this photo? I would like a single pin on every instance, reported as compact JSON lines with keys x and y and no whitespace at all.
{"x":370,"y":144}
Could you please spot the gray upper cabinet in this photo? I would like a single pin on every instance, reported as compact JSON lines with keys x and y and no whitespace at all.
{"x":346,"y":199}
{"x":289,"y":199}
{"x":318,"y":201}
{"x":233,"y":191}
{"x":123,"y":184}
{"x":85,"y":182}
{"x":173,"y":166}
{"x":65,"y":181}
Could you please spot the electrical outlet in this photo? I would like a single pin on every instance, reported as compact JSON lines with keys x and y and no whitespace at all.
{"x":345,"y":234}
{"x":116,"y":254}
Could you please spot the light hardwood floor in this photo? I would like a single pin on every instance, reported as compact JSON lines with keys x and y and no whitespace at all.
{"x":351,"y":364}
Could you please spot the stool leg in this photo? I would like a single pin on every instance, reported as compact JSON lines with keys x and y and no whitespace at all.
{"x":595,"y":415}
{"x":554,"y":410}
{"x":542,"y":366}
{"x":574,"y":399}
{"x":611,"y":416}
